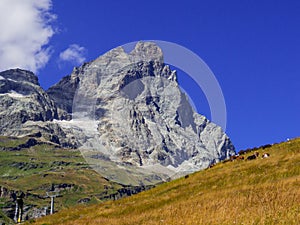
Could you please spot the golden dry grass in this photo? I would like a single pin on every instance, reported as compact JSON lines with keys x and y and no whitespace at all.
{"x":261,"y":191}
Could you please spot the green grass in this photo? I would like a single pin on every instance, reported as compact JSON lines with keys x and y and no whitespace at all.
{"x":35,"y":170}
{"x":11,"y":142}
{"x":261,"y":191}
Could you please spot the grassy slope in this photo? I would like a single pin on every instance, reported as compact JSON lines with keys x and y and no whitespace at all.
{"x":262,"y":191}
{"x":34,"y":170}
{"x":4,"y":219}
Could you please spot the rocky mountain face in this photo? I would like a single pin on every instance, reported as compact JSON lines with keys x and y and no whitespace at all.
{"x":23,"y":101}
{"x":63,"y":93}
{"x":126,"y":113}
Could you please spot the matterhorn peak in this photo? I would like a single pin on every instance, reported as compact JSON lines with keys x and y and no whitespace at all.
{"x":125,"y":112}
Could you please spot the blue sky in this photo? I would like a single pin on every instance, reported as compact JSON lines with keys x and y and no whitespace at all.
{"x":252,"y":47}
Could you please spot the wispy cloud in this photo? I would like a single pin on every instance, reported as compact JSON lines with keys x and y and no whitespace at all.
{"x":25,"y":32}
{"x":74,"y":54}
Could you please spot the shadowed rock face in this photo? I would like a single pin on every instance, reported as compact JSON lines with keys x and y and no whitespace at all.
{"x":124,"y":108}
{"x":63,"y":93}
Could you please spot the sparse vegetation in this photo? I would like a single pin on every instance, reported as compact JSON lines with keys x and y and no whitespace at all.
{"x":260,"y":191}
{"x":42,"y":168}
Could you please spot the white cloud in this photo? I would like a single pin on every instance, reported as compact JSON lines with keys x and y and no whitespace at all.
{"x":74,"y":54}
{"x":25,"y":32}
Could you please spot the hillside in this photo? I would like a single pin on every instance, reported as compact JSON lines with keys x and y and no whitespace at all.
{"x":260,"y":191}
{"x":34,"y":166}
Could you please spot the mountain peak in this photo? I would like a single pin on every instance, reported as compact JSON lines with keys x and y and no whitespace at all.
{"x":134,"y":119}
{"x":146,"y":51}
{"x":117,"y":58}
{"x":20,"y":75}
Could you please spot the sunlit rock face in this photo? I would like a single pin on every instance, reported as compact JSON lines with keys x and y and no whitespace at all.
{"x":127,"y":114}
{"x":22,"y":100}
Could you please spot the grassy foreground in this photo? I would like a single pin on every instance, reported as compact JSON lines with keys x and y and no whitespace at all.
{"x":261,"y":191}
